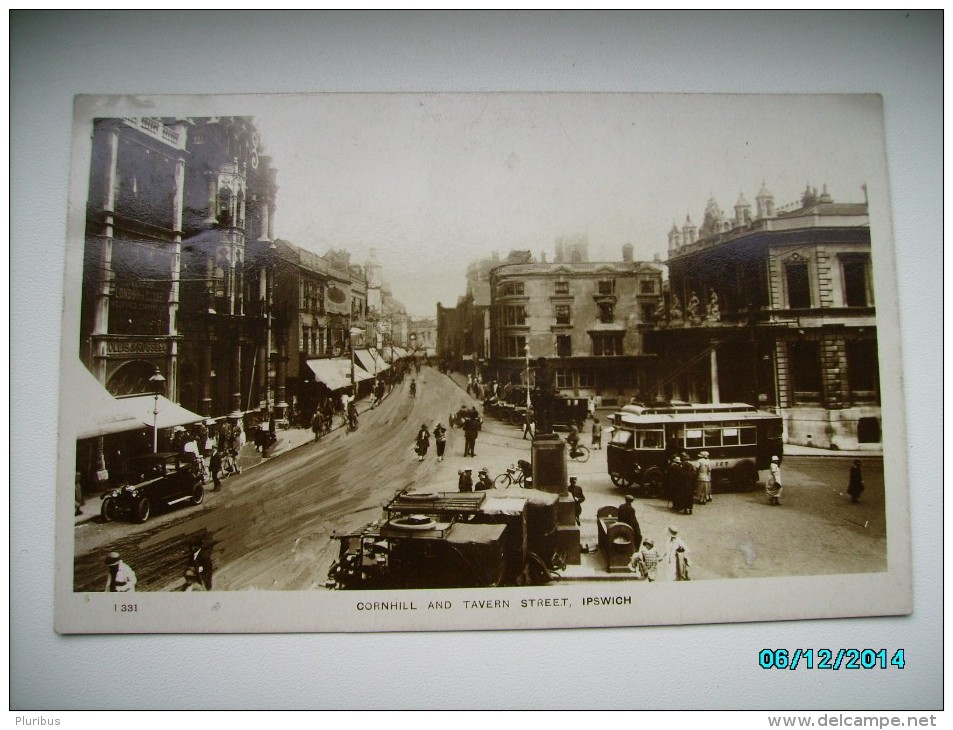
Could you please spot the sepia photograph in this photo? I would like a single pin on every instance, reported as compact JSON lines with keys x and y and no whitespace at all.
{"x":438,"y":361}
{"x":469,"y":360}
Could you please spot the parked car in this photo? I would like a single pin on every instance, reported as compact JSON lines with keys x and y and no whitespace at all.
{"x":155,"y":480}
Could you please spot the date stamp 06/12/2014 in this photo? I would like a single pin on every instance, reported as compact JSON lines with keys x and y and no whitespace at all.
{"x":831,"y":659}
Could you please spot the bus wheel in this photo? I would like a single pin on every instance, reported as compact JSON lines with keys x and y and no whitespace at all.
{"x":653,"y":481}
{"x":745,"y":476}
{"x":620,"y":481}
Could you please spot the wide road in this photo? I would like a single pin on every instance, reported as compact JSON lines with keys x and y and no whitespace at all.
{"x":271,"y":525}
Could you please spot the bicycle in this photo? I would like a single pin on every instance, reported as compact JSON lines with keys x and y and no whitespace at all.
{"x":512,"y":477}
{"x":579,"y":453}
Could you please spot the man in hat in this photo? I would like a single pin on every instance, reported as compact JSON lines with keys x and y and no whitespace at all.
{"x":596,"y":433}
{"x":773,"y":485}
{"x":121,"y":578}
{"x":703,"y":479}
{"x":200,"y":561}
{"x":465,"y":480}
{"x":627,"y":515}
{"x":470,"y":431}
{"x":675,"y":559}
{"x":483,"y":480}
{"x":575,"y":491}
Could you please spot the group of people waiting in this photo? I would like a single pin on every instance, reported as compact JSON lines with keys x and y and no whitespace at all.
{"x":688,"y":484}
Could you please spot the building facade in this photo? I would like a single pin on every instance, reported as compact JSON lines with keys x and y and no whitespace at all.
{"x":587,"y":317}
{"x":775,"y":307}
{"x":175,"y":208}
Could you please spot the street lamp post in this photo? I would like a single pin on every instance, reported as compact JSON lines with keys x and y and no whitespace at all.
{"x":157,"y":383}
{"x":526,"y":349}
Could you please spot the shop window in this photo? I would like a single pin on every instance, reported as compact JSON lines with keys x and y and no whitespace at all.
{"x":563,"y":378}
{"x":585,"y":379}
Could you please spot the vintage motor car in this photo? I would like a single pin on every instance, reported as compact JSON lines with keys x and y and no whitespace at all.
{"x":156,"y":480}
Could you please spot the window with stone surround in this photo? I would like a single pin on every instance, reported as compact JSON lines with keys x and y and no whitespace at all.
{"x":514,"y":346}
{"x":799,"y":285}
{"x":562,"y":314}
{"x":562,"y":288}
{"x":514,"y":315}
{"x":804,"y":367}
{"x":606,"y":287}
{"x":512,"y":289}
{"x":606,"y":312}
{"x":563,"y":346}
{"x":863,"y":370}
{"x":647,"y":286}
{"x":856,"y":273}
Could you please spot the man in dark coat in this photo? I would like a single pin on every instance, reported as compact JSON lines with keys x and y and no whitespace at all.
{"x":627,"y":515}
{"x":575,"y":492}
{"x":470,"y":430}
{"x":686,"y":485}
{"x":465,"y":480}
{"x":855,"y":486}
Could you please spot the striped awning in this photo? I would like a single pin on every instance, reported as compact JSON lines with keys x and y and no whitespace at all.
{"x":335,"y":372}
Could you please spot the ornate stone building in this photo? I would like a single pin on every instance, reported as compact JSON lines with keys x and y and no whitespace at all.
{"x":775,"y":307}
{"x":176,"y":207}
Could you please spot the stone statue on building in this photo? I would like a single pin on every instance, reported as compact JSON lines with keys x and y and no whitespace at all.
{"x":676,"y":308}
{"x":714,"y":309}
{"x":692,"y":308}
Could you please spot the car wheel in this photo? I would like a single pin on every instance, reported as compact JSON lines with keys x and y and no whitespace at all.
{"x":620,"y":480}
{"x":653,"y":481}
{"x":109,"y":511}
{"x":198,"y":494}
{"x":143,"y":510}
{"x":745,"y":476}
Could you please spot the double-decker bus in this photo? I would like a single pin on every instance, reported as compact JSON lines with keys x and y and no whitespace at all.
{"x":739,"y":438}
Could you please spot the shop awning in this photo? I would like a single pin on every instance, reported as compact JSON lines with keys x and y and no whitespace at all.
{"x":370,"y":361}
{"x":400,"y":353}
{"x":168,"y":414}
{"x":93,"y":409}
{"x":335,"y":372}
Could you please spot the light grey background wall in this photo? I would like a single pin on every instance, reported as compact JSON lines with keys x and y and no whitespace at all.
{"x":56,"y":55}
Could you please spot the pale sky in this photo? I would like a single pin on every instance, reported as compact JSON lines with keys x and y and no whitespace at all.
{"x":434,"y":181}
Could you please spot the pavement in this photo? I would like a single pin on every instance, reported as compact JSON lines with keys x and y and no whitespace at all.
{"x":248,"y":457}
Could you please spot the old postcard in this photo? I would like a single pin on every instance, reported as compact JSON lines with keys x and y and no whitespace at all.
{"x":388,"y":362}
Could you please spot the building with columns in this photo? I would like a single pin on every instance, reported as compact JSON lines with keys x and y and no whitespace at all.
{"x":775,"y":307}
{"x":176,"y":207}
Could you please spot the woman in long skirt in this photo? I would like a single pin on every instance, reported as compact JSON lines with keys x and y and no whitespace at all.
{"x":772,"y":486}
{"x":423,"y":442}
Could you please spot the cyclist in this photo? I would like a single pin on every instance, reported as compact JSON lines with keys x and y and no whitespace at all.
{"x":573,"y":440}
